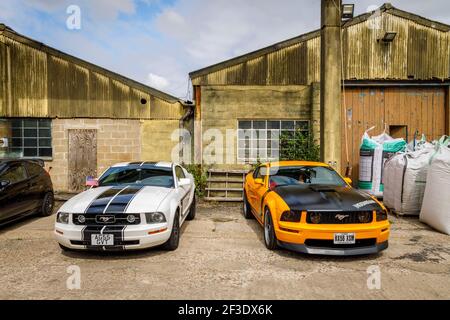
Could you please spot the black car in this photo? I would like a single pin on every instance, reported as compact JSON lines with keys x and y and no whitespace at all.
{"x":25,"y":189}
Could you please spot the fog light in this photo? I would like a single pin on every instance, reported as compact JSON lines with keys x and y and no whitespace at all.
{"x":365,"y":217}
{"x":315,"y":217}
{"x":81,"y":219}
{"x":131,"y":218}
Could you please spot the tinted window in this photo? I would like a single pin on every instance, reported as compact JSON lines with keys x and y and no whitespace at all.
{"x":34,"y":169}
{"x":305,"y":175}
{"x":161,"y":177}
{"x":14,"y":174}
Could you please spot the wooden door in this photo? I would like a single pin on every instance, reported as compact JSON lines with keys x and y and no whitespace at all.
{"x":405,"y":110}
{"x":82,"y":157}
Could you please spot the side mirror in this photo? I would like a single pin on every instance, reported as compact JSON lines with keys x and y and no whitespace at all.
{"x":91,"y":182}
{"x":348,"y":180}
{"x":184,"y":182}
{"x":259,"y":181}
{"x":4,"y":183}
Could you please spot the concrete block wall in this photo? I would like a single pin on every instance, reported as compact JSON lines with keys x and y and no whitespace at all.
{"x":117,"y":141}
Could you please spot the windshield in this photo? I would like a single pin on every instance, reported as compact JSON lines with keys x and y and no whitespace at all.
{"x":159,"y":177}
{"x":304,"y":175}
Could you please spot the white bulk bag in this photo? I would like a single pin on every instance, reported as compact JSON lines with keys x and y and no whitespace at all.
{"x":436,"y":202}
{"x":404,"y":181}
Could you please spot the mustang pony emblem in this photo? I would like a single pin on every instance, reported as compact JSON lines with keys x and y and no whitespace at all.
{"x":341,"y":216}
{"x":106,"y":219}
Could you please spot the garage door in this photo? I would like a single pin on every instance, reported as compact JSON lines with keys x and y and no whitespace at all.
{"x":402,"y":110}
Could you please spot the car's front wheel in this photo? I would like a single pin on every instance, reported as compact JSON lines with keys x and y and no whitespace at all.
{"x":270,"y":238}
{"x":246,"y":208}
{"x":174,"y":240}
{"x":47,"y":204}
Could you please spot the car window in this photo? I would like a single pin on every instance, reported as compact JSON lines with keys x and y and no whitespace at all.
{"x":179,"y":173}
{"x":308,"y":175}
{"x":33,"y":169}
{"x":15,"y":173}
{"x":160,"y":177}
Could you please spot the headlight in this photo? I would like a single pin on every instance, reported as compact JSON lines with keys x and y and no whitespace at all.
{"x":382,"y":215}
{"x":155,"y":217}
{"x":291,"y":216}
{"x":315,"y":217}
{"x":365,"y":217}
{"x":63,"y":217}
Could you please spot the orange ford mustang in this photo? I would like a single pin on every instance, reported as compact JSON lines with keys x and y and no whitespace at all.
{"x":308,"y":207}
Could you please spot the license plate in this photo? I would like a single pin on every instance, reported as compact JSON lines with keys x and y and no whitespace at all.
{"x":344,"y":238}
{"x":102,"y":240}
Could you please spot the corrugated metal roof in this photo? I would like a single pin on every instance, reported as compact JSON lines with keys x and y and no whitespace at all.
{"x":297,"y":60}
{"x":10,"y":33}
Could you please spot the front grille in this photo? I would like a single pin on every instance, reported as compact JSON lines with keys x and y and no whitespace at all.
{"x":119,"y":219}
{"x":339,"y":217}
{"x":359,"y":243}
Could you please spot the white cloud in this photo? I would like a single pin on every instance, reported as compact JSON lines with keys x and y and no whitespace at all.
{"x":157,"y":82}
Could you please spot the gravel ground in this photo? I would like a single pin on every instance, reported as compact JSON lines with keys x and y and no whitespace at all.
{"x":222,"y":256}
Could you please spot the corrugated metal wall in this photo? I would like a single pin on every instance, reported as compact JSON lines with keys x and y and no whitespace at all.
{"x":418,"y":52}
{"x":41,"y":84}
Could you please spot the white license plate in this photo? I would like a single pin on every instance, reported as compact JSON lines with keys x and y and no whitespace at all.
{"x":102,"y":240}
{"x":344,"y":238}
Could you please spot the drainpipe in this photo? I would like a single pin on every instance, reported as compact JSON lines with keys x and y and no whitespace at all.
{"x":330,"y":83}
{"x":188,"y":115}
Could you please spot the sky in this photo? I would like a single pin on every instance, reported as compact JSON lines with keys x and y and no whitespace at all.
{"x":158,"y":42}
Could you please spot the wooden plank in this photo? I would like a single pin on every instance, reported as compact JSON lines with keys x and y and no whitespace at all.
{"x":82,"y":157}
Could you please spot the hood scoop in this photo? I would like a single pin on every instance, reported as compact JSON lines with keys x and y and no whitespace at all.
{"x":323,"y":188}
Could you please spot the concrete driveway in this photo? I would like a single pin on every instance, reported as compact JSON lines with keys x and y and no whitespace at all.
{"x":222,"y":256}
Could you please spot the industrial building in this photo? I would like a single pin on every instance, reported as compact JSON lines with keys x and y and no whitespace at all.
{"x":396,"y":71}
{"x":78,"y":117}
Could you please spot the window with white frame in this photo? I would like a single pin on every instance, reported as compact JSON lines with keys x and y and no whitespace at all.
{"x":259,"y":140}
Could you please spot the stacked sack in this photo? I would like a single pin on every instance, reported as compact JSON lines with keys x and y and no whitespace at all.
{"x":436,"y":201}
{"x":405,"y":176}
{"x":374,"y":152}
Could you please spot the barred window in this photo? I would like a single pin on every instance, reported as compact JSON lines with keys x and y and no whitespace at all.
{"x":31,"y":138}
{"x":259,"y":140}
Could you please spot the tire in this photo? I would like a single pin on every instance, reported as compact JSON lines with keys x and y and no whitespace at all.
{"x":192,"y":209}
{"x":270,"y":238}
{"x":47,"y":205}
{"x":174,"y":240}
{"x":246,"y":209}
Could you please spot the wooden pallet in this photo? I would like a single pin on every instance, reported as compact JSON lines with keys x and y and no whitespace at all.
{"x":225,"y":185}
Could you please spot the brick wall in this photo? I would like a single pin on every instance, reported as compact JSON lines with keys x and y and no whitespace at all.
{"x":117,"y":141}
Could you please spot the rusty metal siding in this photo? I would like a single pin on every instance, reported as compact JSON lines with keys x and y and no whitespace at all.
{"x":419,"y":52}
{"x":46,"y":83}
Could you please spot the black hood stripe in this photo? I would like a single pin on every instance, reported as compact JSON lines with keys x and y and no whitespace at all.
{"x":121,"y":202}
{"x":114,"y":200}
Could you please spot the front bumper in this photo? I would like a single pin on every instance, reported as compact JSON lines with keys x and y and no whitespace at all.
{"x":334,"y":251}
{"x":371,"y":238}
{"x":131,"y":237}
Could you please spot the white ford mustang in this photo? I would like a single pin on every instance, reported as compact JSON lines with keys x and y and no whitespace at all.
{"x":131,"y":206}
